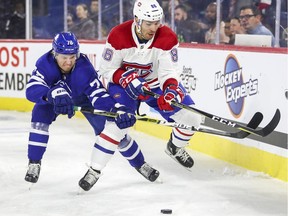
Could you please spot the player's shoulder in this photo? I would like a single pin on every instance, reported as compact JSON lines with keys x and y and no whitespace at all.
{"x":46,"y":63}
{"x":82,"y":74}
{"x":84,"y":67}
{"x":45,"y":59}
{"x":84,"y":61}
{"x":165,"y":38}
{"x":120,"y":37}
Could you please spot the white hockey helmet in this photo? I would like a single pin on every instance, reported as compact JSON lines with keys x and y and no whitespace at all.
{"x":148,"y":10}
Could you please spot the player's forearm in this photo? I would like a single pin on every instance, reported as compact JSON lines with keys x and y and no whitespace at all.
{"x":37,"y":94}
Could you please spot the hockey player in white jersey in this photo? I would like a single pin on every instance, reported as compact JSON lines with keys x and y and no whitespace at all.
{"x":142,"y":53}
{"x":64,"y":77}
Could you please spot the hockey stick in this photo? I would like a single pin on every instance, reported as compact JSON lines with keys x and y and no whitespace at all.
{"x":260,"y":132}
{"x":255,"y":121}
{"x":140,"y":118}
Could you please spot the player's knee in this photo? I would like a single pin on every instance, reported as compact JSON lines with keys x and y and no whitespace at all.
{"x":185,"y":117}
{"x":40,"y":126}
{"x":124,"y":142}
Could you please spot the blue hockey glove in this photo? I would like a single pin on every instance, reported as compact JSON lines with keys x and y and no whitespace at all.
{"x":133,"y":85}
{"x":61,"y":100}
{"x":171,"y":92}
{"x":125,"y":118}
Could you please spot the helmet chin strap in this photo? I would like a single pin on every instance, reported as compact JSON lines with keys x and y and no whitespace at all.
{"x":138,"y":28}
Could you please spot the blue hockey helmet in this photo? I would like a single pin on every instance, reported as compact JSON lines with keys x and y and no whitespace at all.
{"x":65,"y":43}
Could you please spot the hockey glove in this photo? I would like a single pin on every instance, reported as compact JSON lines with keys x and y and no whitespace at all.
{"x":171,"y":92}
{"x":61,"y":100}
{"x":125,"y":118}
{"x":133,"y":85}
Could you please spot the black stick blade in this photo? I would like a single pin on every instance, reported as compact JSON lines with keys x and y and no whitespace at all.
{"x":270,"y":127}
{"x":254,"y":122}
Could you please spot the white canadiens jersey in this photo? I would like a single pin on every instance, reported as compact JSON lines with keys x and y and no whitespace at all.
{"x":155,"y":61}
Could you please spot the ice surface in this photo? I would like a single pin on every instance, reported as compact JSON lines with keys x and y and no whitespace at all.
{"x":213,"y":188}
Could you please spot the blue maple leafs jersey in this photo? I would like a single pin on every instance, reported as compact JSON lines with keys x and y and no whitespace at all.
{"x":82,"y":83}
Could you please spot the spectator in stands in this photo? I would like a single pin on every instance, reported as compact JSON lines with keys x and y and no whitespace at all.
{"x":200,"y":7}
{"x":284,"y":38}
{"x":235,"y":28}
{"x":15,"y":25}
{"x":210,"y":35}
{"x":227,"y":29}
{"x":187,"y":29}
{"x":167,"y":9}
{"x":70,"y":21}
{"x":250,"y":19}
{"x":235,"y":5}
{"x":267,"y":18}
{"x":94,"y":10}
{"x":85,"y":27}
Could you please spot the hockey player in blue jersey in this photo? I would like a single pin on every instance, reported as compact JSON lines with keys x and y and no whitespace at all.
{"x":64,"y":78}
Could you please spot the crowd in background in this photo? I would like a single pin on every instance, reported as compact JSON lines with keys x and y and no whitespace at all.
{"x":192,"y":21}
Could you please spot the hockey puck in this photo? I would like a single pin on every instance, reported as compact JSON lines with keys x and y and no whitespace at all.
{"x":166,"y":211}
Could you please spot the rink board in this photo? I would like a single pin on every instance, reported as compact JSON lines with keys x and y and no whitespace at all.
{"x":227,"y":150}
{"x":228,"y":81}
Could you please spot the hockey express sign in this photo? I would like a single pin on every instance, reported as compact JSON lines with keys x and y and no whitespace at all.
{"x":236,"y":89}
